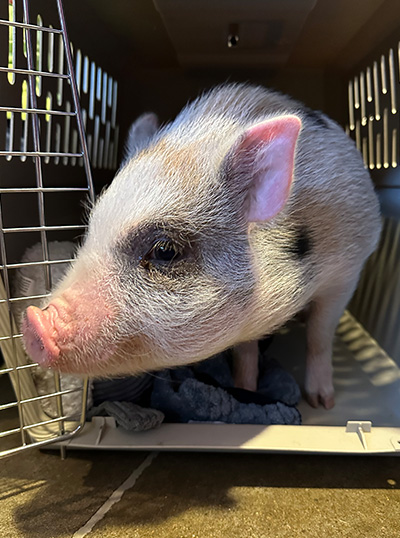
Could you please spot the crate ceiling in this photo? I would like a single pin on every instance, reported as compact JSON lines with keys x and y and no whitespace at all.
{"x":232,"y":32}
{"x":193,"y":33}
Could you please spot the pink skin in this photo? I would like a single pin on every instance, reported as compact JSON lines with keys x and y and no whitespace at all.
{"x":65,"y":328}
{"x":40,"y":335}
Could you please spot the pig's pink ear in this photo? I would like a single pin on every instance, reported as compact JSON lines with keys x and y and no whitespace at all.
{"x":265,"y":155}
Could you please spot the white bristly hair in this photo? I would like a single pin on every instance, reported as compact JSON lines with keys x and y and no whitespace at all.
{"x":241,"y":280}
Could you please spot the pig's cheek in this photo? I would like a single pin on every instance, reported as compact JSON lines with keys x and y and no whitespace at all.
{"x":106,"y":352}
{"x":89,"y":338}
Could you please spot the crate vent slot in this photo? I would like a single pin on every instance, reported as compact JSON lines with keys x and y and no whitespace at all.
{"x":12,"y":42}
{"x":39,"y":56}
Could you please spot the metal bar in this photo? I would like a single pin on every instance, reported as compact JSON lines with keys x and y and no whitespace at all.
{"x":17,"y":386}
{"x":84,"y":400}
{"x":22,"y":367}
{"x":47,"y":396}
{"x":82,"y":137}
{"x":32,"y":71}
{"x":36,"y":425}
{"x":3,"y":338}
{"x":36,"y":146}
{"x":30,"y":26}
{"x":53,"y":394}
{"x":25,"y":298}
{"x":59,"y":405}
{"x":38,"y":169}
{"x":3,"y":252}
{"x":75,"y":95}
{"x":39,"y":444}
{"x":37,"y":264}
{"x":37,"y":153}
{"x":36,"y":111}
{"x":44,"y":229}
{"x":33,"y":264}
{"x":10,"y":432}
{"x":81,"y":129}
{"x":45,"y":422}
{"x":3,"y":407}
{"x":43,"y":189}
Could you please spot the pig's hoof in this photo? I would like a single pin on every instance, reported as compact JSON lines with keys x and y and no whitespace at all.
{"x":315,"y":399}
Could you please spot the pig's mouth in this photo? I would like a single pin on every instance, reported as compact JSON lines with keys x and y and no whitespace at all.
{"x":40,"y":335}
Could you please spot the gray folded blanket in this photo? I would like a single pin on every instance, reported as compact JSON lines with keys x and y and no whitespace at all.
{"x":203,"y":392}
{"x":192,"y":394}
{"x":128,"y":415}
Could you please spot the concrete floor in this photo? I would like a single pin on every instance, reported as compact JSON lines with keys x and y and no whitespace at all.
{"x":200,"y":495}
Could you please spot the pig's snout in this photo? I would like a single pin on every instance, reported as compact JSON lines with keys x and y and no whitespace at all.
{"x":40,"y":335}
{"x":74,"y":334}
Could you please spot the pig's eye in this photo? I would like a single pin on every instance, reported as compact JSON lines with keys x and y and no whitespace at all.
{"x":163,"y":251}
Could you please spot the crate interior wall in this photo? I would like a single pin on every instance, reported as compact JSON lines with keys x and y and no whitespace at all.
{"x":165,"y":52}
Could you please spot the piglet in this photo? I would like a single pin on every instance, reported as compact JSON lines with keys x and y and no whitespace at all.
{"x":218,"y":228}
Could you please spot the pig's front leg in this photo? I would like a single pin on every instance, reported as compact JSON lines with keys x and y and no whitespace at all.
{"x":323,"y":316}
{"x":245,"y":365}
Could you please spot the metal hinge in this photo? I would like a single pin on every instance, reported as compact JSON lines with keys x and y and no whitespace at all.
{"x":360,"y":428}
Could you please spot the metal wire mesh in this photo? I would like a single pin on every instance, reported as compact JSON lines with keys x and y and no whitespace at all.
{"x":39,"y":202}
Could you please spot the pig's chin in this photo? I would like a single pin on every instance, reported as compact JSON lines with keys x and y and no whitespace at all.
{"x":96,"y":365}
{"x":104,"y":366}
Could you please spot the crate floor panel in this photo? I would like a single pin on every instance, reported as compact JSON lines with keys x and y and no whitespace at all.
{"x":367,"y":384}
{"x":366,"y":379}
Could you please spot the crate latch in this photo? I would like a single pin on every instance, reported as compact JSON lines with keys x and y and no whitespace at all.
{"x":101,"y":424}
{"x":396,"y":443}
{"x":360,"y":428}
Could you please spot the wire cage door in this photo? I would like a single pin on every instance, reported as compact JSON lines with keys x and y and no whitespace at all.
{"x":40,"y":103}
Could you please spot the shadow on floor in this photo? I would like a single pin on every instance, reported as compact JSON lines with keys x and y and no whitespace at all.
{"x":53,"y":498}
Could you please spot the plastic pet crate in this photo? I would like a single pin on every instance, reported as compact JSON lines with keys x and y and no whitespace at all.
{"x":58,"y":126}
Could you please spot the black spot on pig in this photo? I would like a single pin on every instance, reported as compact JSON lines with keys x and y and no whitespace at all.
{"x":301,"y":245}
{"x":315,"y":117}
